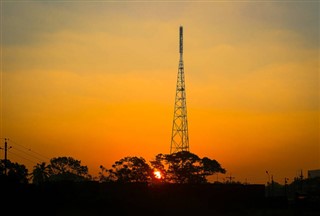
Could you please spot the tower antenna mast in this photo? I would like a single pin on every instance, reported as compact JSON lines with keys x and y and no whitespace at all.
{"x":180,"y":136}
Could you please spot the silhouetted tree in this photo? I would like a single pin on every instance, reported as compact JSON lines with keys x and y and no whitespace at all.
{"x":16,"y":173}
{"x":157,"y":165}
{"x":2,"y":167}
{"x":130,"y":169}
{"x":67,"y":169}
{"x":186,"y":167}
{"x":211,"y":167}
{"x":106,"y":175}
{"x":40,"y":173}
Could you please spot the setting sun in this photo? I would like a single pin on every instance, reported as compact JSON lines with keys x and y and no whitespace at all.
{"x":157,"y":174}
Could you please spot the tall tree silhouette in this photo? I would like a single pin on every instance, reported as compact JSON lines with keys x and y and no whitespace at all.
{"x":186,"y":167}
{"x":40,"y":173}
{"x":130,"y":169}
{"x":16,"y":173}
{"x":67,"y":169}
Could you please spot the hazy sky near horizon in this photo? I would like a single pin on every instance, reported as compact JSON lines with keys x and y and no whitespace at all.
{"x":95,"y":80}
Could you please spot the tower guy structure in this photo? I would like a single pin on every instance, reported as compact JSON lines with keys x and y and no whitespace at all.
{"x":180,"y":136}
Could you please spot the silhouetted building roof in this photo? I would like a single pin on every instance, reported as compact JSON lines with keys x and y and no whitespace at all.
{"x":313,"y":173}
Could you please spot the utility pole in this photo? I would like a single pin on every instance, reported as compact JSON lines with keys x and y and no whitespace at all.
{"x":285,"y":185}
{"x":5,"y":155}
{"x":230,"y":178}
{"x":301,"y":181}
{"x":270,"y":184}
{"x":301,"y":175}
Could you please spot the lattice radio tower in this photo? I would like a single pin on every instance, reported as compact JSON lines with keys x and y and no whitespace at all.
{"x":180,"y":137}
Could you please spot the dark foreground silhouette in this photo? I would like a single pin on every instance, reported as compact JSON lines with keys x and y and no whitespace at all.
{"x":94,"y":198}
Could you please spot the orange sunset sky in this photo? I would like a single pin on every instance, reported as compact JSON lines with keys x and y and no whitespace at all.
{"x":95,"y":80}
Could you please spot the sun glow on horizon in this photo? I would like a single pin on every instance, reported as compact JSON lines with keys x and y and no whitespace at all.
{"x":157,"y":174}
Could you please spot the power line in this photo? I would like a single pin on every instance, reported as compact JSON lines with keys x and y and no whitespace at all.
{"x":23,"y":157}
{"x":26,"y":153}
{"x":30,"y":150}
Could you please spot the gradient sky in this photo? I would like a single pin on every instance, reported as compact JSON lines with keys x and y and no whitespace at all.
{"x":96,"y":81}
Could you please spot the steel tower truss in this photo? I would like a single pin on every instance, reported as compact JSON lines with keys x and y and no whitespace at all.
{"x":180,"y":136}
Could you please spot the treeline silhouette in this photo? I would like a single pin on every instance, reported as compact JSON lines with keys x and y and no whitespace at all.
{"x":172,"y":184}
{"x":180,"y":167}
